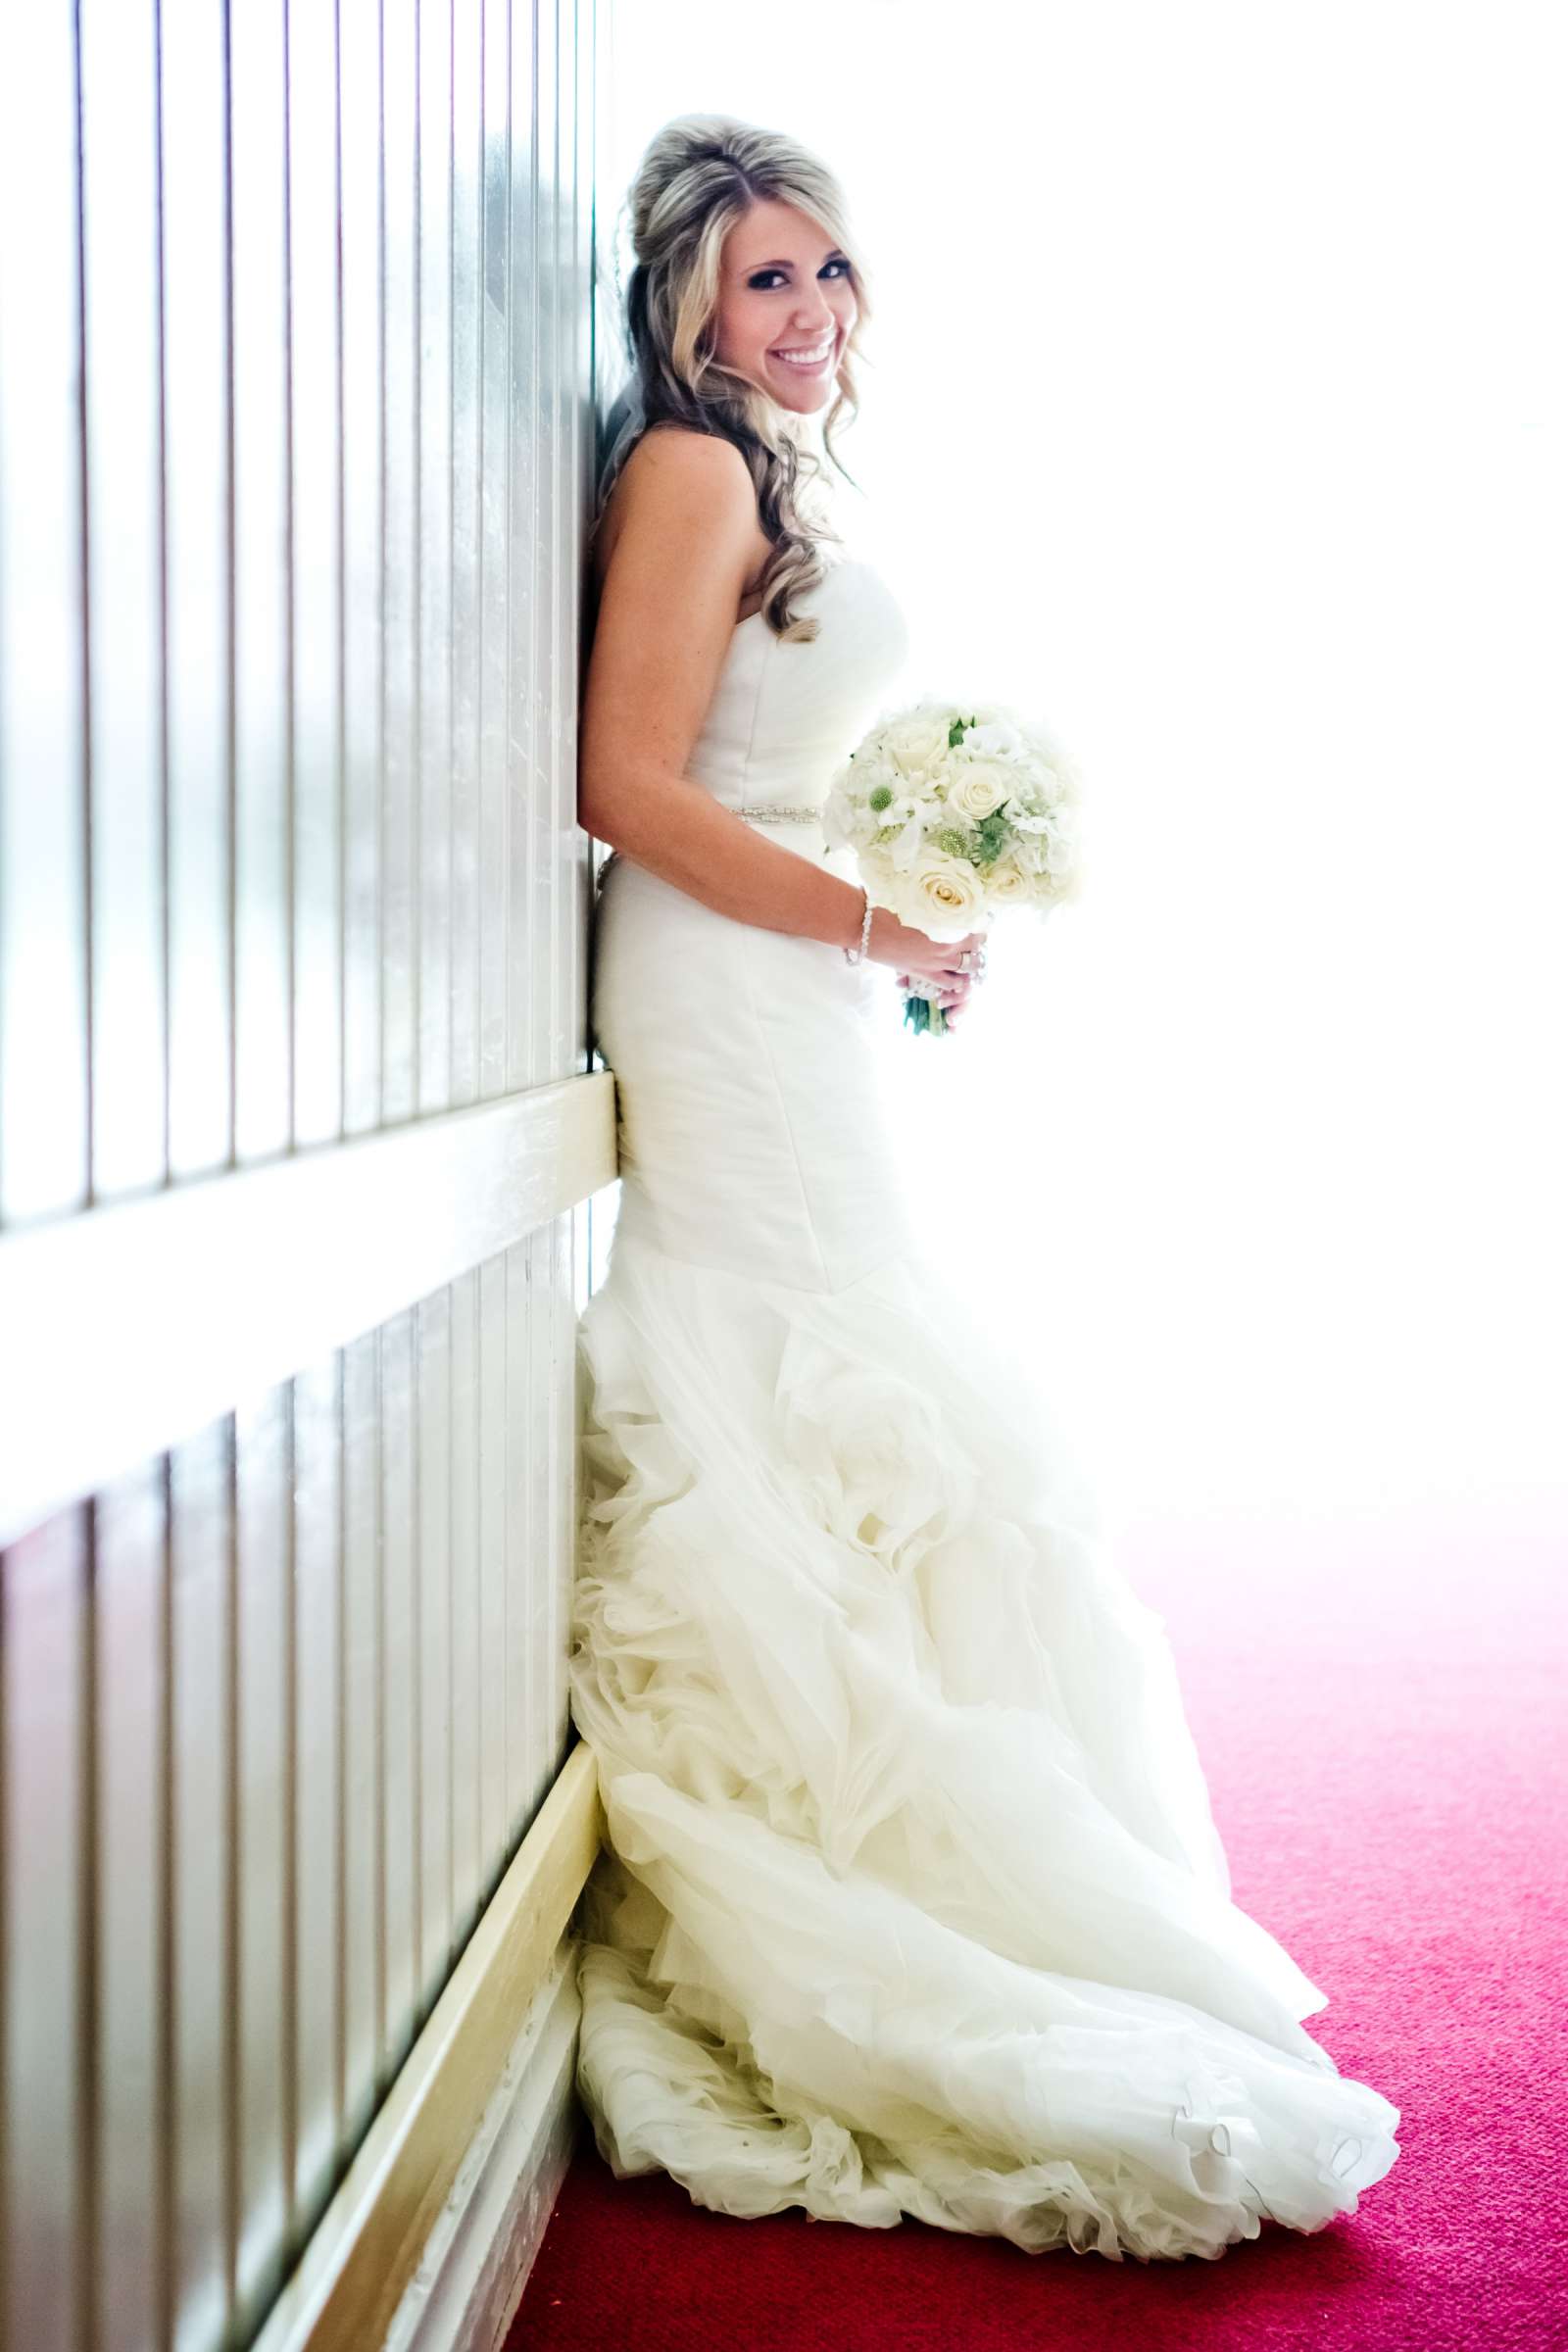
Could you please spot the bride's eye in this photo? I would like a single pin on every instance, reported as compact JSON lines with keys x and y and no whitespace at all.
{"x":763,"y":274}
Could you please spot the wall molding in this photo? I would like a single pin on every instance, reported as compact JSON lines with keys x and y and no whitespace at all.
{"x":127,"y":1327}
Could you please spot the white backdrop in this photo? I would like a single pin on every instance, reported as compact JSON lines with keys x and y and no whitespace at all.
{"x":1218,"y":416}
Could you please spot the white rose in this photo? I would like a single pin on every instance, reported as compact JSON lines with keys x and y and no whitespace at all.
{"x":948,"y":891}
{"x":980,"y":787}
{"x":1007,"y":880}
{"x":918,"y":744}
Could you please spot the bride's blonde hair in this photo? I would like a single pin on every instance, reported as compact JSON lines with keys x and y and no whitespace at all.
{"x":699,"y":175}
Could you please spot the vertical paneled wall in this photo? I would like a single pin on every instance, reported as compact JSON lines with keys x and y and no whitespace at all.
{"x":297,"y":397}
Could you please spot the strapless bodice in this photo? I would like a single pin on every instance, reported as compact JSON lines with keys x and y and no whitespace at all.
{"x":784,"y":716}
{"x":747,"y":1085}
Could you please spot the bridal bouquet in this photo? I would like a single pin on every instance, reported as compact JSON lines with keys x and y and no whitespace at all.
{"x":954,"y":814}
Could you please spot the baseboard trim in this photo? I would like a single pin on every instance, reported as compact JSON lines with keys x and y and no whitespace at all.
{"x":464,"y":2294}
{"x":513,"y":1988}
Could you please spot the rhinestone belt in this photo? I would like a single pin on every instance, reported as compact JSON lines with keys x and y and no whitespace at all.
{"x":754,"y":815}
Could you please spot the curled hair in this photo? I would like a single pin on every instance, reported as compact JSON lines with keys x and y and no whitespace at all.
{"x":699,"y":175}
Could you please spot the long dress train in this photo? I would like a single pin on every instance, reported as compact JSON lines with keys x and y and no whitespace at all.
{"x":914,"y":1903}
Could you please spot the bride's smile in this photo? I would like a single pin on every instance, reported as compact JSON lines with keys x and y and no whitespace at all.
{"x":786,"y":306}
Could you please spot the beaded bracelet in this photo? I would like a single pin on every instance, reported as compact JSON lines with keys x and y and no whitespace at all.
{"x":857,"y":954}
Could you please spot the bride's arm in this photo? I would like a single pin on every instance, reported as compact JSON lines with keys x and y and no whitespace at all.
{"x":664,"y":624}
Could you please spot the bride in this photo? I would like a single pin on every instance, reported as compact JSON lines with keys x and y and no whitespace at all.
{"x":912,"y":1900}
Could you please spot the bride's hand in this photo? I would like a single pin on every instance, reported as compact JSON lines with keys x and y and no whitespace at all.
{"x":913,"y":956}
{"x":954,"y":1001}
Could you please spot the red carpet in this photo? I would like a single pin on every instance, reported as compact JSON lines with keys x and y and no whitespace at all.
{"x":1379,"y":1703}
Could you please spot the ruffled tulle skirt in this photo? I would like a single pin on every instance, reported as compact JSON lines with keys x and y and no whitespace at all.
{"x":914,"y":1903}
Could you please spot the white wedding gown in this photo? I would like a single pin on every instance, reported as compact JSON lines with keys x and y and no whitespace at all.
{"x":914,"y":1903}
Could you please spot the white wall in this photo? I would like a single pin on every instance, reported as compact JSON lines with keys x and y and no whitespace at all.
{"x":1219,"y":418}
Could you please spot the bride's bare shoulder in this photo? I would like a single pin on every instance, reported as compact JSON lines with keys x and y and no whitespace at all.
{"x":673,"y":469}
{"x":670,"y":443}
